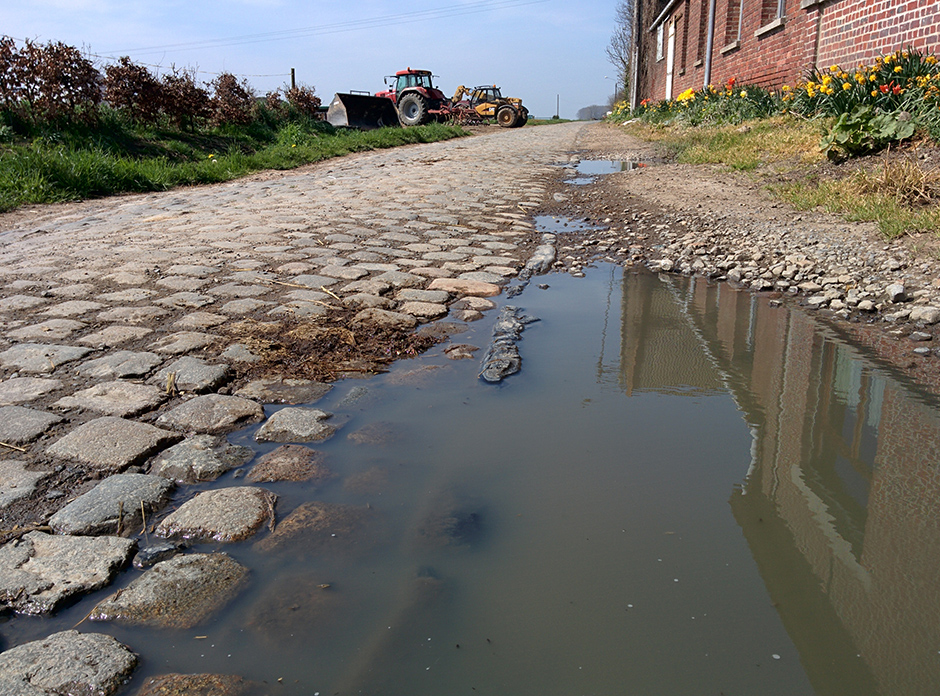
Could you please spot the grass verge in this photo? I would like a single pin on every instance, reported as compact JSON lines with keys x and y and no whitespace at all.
{"x":73,"y":165}
{"x":893,"y":190}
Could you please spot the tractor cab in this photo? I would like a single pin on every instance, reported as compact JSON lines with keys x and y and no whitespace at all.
{"x":484,"y":95}
{"x":406,"y":80}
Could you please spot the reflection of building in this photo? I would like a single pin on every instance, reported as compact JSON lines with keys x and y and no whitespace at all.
{"x":658,"y":346}
{"x":841,"y":507}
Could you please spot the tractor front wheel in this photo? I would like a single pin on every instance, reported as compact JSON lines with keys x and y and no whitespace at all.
{"x":507,"y":117}
{"x":523,"y":119}
{"x":412,"y":109}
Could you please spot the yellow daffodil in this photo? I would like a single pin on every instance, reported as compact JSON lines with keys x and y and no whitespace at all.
{"x":846,"y":86}
{"x":898,"y":68}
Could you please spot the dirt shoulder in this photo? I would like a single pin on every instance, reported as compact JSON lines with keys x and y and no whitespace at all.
{"x":709,"y":221}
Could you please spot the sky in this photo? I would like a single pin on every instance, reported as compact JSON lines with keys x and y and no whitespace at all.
{"x":539,"y":50}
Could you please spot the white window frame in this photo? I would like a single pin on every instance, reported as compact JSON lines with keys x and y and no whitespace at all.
{"x":660,"y":38}
{"x":776,"y":22}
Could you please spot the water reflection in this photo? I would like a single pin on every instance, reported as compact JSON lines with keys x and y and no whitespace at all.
{"x":840,"y":504}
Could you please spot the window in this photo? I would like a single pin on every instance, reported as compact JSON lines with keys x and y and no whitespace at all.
{"x":702,"y":29}
{"x":685,"y":37}
{"x":660,"y":36}
{"x":771,"y":15}
{"x":733,"y":24}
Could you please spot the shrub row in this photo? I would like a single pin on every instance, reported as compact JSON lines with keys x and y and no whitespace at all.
{"x":54,"y":83}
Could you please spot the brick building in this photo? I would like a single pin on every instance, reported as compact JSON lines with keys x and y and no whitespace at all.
{"x":694,"y":43}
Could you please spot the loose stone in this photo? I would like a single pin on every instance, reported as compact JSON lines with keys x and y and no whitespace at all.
{"x":423,"y":310}
{"x":925,"y":315}
{"x":296,"y":425}
{"x":284,"y":391}
{"x":114,"y":506}
{"x":226,"y":514}
{"x":213,"y":414}
{"x":23,"y":389}
{"x":120,"y":364}
{"x":184,"y":342}
{"x":116,"y":398}
{"x":161,"y":551}
{"x":66,"y":663}
{"x":192,"y":375}
{"x":463,"y":286}
{"x":39,"y":571}
{"x":112,"y":444}
{"x":317,"y":527}
{"x":40,"y":357}
{"x":388,"y":319}
{"x":290,"y":463}
{"x":197,"y":685}
{"x":16,"y":481}
{"x":179,"y":593}
{"x":199,"y":458}
{"x":19,"y":425}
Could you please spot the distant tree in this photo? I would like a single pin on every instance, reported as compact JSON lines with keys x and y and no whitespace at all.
{"x":620,"y":48}
{"x":592,"y":113}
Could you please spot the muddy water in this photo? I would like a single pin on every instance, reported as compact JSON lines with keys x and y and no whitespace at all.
{"x":588,"y":170}
{"x":683,"y":491}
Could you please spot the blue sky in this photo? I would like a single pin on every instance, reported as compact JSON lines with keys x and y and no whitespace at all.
{"x":534,"y":49}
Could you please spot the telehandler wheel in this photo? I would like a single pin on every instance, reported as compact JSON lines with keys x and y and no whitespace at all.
{"x":523,"y":119}
{"x":507,"y":117}
{"x":412,"y":109}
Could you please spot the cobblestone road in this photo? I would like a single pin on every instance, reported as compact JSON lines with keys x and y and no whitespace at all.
{"x":121,"y":289}
{"x":116,"y":362}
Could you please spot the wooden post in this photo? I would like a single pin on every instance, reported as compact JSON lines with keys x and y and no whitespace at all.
{"x":293,"y":79}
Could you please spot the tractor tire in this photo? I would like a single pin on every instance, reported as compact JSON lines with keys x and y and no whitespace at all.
{"x":507,"y":117}
{"x":523,"y":119}
{"x":412,"y":109}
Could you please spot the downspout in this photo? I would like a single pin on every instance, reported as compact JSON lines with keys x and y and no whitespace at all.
{"x":635,"y":59}
{"x":709,"y":43}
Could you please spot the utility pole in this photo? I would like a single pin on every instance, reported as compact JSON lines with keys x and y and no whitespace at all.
{"x":293,"y":79}
{"x":557,"y":104}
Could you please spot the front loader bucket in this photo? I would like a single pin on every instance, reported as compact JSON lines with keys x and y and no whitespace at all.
{"x":362,"y":112}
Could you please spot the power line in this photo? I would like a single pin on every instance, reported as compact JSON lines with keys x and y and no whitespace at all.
{"x":156,"y":65}
{"x":338,"y":27}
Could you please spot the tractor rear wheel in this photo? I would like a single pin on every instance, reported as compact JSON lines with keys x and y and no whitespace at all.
{"x":412,"y":109}
{"x":507,"y":117}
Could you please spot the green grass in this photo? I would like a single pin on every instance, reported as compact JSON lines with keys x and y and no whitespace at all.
{"x":848,"y":198}
{"x":78,"y":163}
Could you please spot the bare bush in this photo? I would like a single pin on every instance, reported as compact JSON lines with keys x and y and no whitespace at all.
{"x":232,"y":101}
{"x":131,"y":88}
{"x":47,"y":83}
{"x":13,"y":73}
{"x":274,"y":103}
{"x":68,"y":85}
{"x":183,"y":101}
{"x":304,"y":100}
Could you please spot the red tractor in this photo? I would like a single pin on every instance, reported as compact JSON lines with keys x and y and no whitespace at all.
{"x":415,"y":97}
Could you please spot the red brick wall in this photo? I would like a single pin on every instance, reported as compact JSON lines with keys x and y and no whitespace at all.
{"x":857,"y":31}
{"x":849,"y":32}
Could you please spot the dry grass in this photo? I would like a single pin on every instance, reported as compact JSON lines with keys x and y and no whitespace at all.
{"x":904,"y":179}
{"x":769,"y":141}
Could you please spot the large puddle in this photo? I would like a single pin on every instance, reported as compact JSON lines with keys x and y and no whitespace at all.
{"x":684,"y":491}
